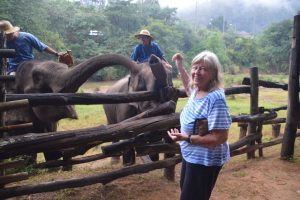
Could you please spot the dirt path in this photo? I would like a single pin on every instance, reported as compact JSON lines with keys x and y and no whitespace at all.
{"x":266,"y":178}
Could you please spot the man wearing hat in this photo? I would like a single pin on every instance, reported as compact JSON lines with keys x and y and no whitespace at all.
{"x":143,"y":51}
{"x":23,"y":43}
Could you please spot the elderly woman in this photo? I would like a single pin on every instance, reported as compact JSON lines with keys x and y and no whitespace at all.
{"x":203,"y":154}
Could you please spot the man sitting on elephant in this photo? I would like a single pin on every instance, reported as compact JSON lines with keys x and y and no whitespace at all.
{"x":22,"y":43}
{"x":143,"y":51}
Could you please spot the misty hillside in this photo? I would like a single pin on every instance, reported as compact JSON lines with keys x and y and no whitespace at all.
{"x":250,"y":17}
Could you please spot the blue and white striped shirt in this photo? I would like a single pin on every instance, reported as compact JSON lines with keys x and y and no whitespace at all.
{"x":212,"y":107}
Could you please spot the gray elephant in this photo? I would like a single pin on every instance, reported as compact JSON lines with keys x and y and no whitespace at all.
{"x":151,"y":76}
{"x":53,"y":77}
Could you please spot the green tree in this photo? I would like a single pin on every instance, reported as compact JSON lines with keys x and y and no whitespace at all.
{"x":240,"y":50}
{"x":212,"y":41}
{"x":275,"y":45}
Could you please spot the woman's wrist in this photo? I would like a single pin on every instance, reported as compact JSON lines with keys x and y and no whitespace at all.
{"x":189,"y":139}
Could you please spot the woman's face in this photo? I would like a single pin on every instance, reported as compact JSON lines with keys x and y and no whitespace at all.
{"x":201,"y":75}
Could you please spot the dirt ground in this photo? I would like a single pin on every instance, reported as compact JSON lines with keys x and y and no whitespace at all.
{"x":266,"y":178}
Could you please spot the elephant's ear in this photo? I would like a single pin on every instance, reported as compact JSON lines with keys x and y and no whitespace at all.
{"x":158,"y":71}
{"x":46,"y":77}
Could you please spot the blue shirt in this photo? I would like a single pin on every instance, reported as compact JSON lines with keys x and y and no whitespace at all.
{"x":142,"y":53}
{"x":23,"y":46}
{"x":213,"y":108}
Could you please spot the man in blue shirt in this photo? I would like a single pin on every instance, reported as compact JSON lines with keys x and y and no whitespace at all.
{"x":143,"y":51}
{"x":23,"y":43}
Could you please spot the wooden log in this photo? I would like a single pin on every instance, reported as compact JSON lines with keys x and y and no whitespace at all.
{"x":254,"y":118}
{"x":288,"y":144}
{"x":253,"y":106}
{"x":257,"y":146}
{"x":74,"y":161}
{"x":244,"y":141}
{"x":79,"y":150}
{"x":83,"y":98}
{"x":169,"y":173}
{"x":254,"y":147}
{"x":2,"y":88}
{"x":259,"y":132}
{"x":7,"y":78}
{"x":275,"y":121}
{"x":157,"y":148}
{"x":277,"y":108}
{"x":139,"y":140}
{"x":266,"y":84}
{"x":276,"y":130}
{"x":100,"y":98}
{"x":12,"y":164}
{"x":141,"y":151}
{"x":13,"y":105}
{"x":237,"y":90}
{"x":33,"y":143}
{"x":89,"y":180}
{"x":16,"y":127}
{"x":13,"y":178}
{"x":7,"y":53}
{"x":243,"y":130}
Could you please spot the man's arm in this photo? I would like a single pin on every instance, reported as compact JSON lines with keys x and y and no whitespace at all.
{"x":52,"y":51}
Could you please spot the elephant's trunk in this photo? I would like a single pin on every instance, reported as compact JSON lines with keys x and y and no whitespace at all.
{"x":72,"y":79}
{"x":158,"y":71}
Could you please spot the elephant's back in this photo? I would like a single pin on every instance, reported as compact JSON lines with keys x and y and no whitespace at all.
{"x":111,"y":110}
{"x":120,"y":86}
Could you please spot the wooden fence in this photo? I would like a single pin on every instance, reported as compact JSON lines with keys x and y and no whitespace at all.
{"x":130,"y":132}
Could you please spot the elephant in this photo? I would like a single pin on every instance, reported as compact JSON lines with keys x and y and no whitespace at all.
{"x":52,"y":77}
{"x":150,"y":76}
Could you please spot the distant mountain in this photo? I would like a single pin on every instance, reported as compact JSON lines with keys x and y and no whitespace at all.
{"x":250,"y":17}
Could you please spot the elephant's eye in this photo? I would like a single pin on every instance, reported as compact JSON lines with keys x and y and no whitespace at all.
{"x":141,"y":84}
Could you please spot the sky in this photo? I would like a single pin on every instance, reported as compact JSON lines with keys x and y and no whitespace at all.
{"x":180,"y":4}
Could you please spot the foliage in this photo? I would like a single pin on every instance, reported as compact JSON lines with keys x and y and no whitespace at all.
{"x":275,"y":44}
{"x":89,"y":30}
{"x":241,"y":51}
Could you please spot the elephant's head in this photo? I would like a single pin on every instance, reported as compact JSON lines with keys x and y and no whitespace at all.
{"x":53,"y":77}
{"x":150,"y":76}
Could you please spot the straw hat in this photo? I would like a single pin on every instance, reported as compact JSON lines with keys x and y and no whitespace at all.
{"x":144,"y":33}
{"x":7,"y":27}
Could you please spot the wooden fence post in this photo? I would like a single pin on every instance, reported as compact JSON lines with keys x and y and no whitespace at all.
{"x":253,"y":106}
{"x":259,"y":131}
{"x":2,"y":91}
{"x":2,"y":84}
{"x":243,"y":129}
{"x":287,"y":149}
{"x":276,"y":130}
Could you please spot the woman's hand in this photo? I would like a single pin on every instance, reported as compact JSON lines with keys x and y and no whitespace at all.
{"x":178,"y":59}
{"x":175,"y":135}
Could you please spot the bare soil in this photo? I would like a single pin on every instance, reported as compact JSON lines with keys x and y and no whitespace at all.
{"x":265,"y":178}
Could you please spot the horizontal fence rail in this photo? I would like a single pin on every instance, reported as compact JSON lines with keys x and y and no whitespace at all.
{"x":104,"y":98}
{"x":130,"y":131}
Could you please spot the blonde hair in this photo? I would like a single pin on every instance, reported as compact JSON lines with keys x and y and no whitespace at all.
{"x":212,"y":62}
